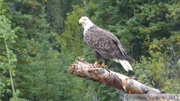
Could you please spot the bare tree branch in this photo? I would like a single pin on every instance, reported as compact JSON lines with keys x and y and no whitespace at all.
{"x":111,"y":78}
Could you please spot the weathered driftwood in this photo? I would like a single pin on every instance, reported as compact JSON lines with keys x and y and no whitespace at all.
{"x":108,"y":77}
{"x":105,"y":76}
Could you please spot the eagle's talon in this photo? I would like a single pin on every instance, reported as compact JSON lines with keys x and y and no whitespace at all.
{"x":97,"y":64}
{"x":104,"y":66}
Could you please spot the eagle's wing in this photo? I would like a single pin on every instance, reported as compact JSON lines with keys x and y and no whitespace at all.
{"x":105,"y":43}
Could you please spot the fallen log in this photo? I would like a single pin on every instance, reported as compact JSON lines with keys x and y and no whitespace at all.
{"x":119,"y":81}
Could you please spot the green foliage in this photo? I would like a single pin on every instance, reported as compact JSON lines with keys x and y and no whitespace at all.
{"x":40,"y":39}
{"x":40,"y":80}
{"x":16,"y":98}
{"x":149,"y":31}
{"x":46,"y":77}
{"x":57,"y":13}
{"x":71,"y":39}
{"x":162,"y":67}
{"x":8,"y":59}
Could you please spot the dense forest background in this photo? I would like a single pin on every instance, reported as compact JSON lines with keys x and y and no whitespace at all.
{"x":39,"y":39}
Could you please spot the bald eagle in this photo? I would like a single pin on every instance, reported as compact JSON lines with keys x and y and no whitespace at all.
{"x":104,"y":44}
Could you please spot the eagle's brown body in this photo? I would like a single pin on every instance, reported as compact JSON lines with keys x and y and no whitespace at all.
{"x":104,"y":44}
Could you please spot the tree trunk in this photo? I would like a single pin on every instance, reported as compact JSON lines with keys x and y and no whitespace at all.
{"x":119,"y":81}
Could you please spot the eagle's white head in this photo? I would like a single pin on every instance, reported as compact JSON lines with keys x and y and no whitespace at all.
{"x":86,"y":22}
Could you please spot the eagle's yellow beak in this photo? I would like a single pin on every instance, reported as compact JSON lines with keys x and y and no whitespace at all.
{"x":81,"y":21}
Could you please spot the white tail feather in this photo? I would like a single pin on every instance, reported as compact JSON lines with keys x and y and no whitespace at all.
{"x":125,"y":64}
{"x":128,"y":65}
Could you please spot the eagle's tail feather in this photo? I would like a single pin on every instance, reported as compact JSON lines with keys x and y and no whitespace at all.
{"x":125,"y":64}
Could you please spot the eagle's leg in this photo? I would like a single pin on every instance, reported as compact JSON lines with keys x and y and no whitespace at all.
{"x":97,"y":56}
{"x":104,"y":63}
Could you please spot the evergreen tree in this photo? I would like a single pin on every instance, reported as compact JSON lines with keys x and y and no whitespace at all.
{"x":40,"y":39}
{"x":40,"y":80}
{"x":148,"y":29}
